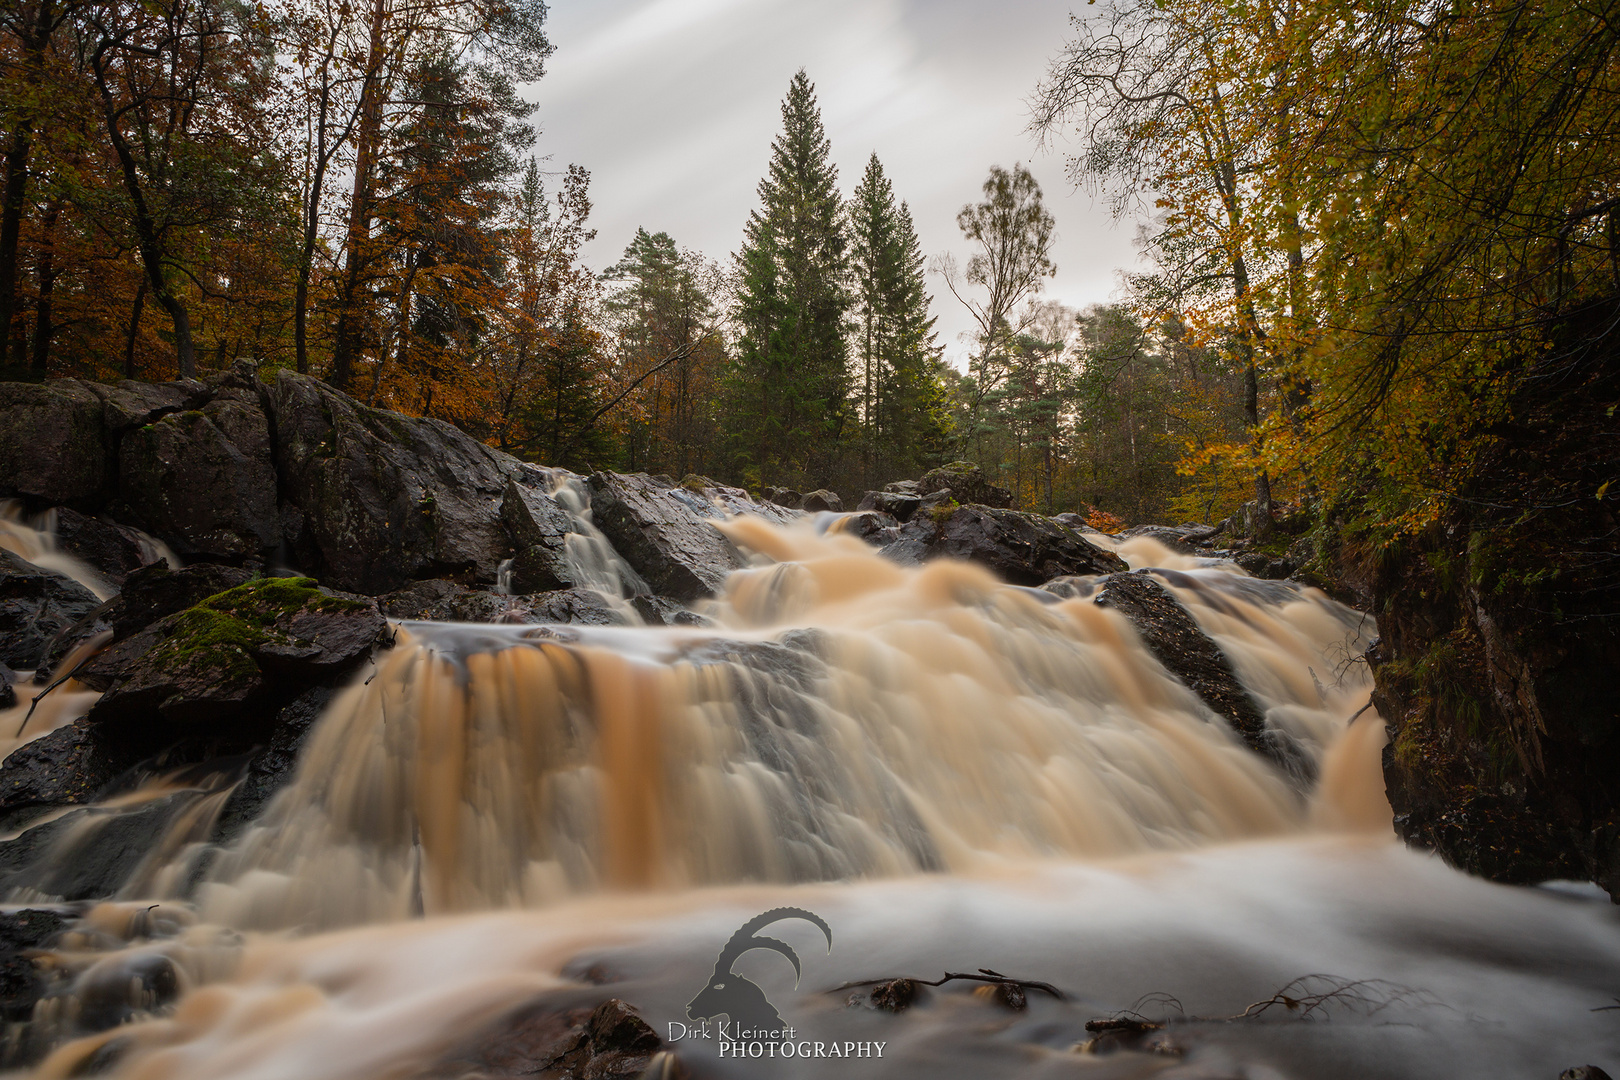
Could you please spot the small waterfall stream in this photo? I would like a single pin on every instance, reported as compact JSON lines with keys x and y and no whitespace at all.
{"x":954,"y":773}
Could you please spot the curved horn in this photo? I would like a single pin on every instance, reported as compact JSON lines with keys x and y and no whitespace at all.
{"x":744,"y":940}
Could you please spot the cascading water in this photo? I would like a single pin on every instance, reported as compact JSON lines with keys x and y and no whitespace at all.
{"x":954,"y":773}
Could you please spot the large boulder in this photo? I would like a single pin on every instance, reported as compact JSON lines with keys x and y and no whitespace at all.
{"x":374,"y":500}
{"x":203,"y":479}
{"x":1022,"y":549}
{"x":966,"y":483}
{"x":243,"y":650}
{"x":539,"y":529}
{"x":898,"y":505}
{"x":52,"y":442}
{"x":666,"y":534}
{"x":35,"y":606}
{"x":822,"y":499}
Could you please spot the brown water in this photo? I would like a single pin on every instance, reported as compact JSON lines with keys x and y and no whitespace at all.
{"x":953,"y":773}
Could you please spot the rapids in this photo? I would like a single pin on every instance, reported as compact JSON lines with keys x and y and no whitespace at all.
{"x":954,"y":773}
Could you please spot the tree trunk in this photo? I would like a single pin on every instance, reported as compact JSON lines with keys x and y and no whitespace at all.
{"x":47,"y":285}
{"x":134,"y":329}
{"x":347,"y":344}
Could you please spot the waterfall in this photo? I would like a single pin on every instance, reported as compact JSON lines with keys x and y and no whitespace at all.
{"x":846,"y":717}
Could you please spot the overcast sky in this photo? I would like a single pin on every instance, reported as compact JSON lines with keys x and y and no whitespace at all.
{"x":672,"y":106}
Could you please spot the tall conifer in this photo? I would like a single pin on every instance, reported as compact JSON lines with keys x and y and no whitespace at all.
{"x":788,"y":388}
{"x":898,"y":384}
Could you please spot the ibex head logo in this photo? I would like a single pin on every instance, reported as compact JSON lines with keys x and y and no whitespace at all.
{"x":734,"y":995}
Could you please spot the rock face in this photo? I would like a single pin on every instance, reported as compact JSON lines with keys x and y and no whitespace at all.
{"x":666,"y":534}
{"x":897,"y":505}
{"x":52,"y":442}
{"x":36,"y":605}
{"x":373,"y":500}
{"x":203,"y":479}
{"x":1024,"y":549}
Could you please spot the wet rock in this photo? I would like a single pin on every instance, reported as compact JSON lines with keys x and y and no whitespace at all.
{"x":88,"y":854}
{"x":21,"y":983}
{"x":52,"y":442}
{"x":271,"y":769}
{"x":155,"y":591}
{"x":780,"y":496}
{"x":538,"y":529}
{"x":967,"y":484}
{"x":822,"y":499}
{"x":203,"y":480}
{"x":666,"y":534}
{"x":579,"y":606}
{"x":35,"y":605}
{"x":376,"y":500}
{"x":111,"y":550}
{"x":662,"y":611}
{"x":444,"y":601}
{"x":1584,"y":1072}
{"x":896,"y":995}
{"x":550,"y":1039}
{"x":67,"y":766}
{"x":8,"y":692}
{"x":904,"y":487}
{"x":730,"y":501}
{"x":538,"y":568}
{"x":873,"y":526}
{"x":246,"y":646}
{"x":1173,"y":636}
{"x":1023,"y":549}
{"x":897,"y":505}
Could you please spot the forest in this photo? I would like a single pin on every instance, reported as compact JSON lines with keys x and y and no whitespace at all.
{"x":1370,"y":232}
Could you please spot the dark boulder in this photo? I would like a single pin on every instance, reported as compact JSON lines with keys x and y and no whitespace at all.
{"x":821,"y":499}
{"x":539,"y":529}
{"x":203,"y":480}
{"x":155,"y":591}
{"x":88,"y":854}
{"x":1173,"y":637}
{"x":52,"y":442}
{"x":667,"y":535}
{"x":236,"y":652}
{"x":897,"y":505}
{"x":8,"y":691}
{"x":374,"y":500}
{"x":873,"y":526}
{"x":784,"y":497}
{"x":583,"y":607}
{"x":1022,"y":549}
{"x":67,"y":766}
{"x":967,"y":484}
{"x":904,"y":487}
{"x":35,"y":606}
{"x":111,"y":550}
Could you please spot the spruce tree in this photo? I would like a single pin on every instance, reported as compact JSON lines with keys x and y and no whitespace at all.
{"x":788,"y":388}
{"x":897,"y":370}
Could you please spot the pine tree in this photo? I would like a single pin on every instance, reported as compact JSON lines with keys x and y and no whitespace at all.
{"x":900,"y":392}
{"x":788,"y":388}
